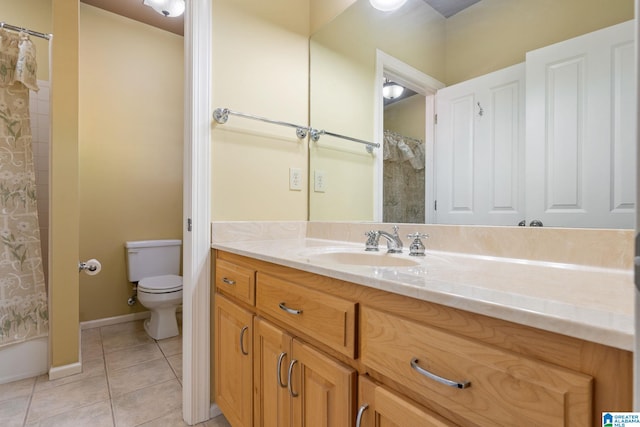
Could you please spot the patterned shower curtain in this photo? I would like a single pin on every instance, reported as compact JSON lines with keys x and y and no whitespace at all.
{"x":23,"y":296}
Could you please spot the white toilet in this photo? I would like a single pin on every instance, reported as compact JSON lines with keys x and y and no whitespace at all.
{"x":155,"y":266}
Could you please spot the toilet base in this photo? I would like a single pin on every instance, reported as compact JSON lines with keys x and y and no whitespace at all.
{"x":162,"y":323}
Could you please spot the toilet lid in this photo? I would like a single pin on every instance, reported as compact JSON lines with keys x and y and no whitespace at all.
{"x":160,"y":284}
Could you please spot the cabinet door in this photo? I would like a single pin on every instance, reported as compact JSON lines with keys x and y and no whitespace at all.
{"x":233,"y":361}
{"x":272,"y":354}
{"x":323,"y":389}
{"x":380,"y":407}
{"x":580,"y":138}
{"x":479,"y":154}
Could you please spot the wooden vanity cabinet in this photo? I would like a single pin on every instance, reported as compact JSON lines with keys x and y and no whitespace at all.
{"x":233,"y":361}
{"x":380,"y":407}
{"x":298,"y":385}
{"x":477,"y":382}
{"x":266,"y":375}
{"x":340,"y":334}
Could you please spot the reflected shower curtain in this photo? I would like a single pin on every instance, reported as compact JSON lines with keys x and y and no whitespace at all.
{"x":23,"y":296}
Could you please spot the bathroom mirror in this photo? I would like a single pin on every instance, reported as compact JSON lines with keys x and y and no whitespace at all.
{"x":346,"y":84}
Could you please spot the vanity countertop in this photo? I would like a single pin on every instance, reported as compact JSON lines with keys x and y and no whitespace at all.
{"x":590,"y":303}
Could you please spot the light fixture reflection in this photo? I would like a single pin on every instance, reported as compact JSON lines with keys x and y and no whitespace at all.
{"x":391,"y":90}
{"x":169,"y":8}
{"x":387,"y":5}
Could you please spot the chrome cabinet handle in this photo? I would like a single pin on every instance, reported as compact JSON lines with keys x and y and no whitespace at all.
{"x":289,"y":375}
{"x":228,"y":281}
{"x":279,"y":369}
{"x":244,"y":329}
{"x":361,"y":410}
{"x":441,"y":380}
{"x":289,"y":310}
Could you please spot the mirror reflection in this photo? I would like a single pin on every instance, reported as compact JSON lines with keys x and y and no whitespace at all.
{"x":506,"y":149}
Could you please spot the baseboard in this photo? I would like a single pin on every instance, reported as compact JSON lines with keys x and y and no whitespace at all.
{"x":214,"y":411}
{"x":89,"y":324}
{"x":56,"y":372}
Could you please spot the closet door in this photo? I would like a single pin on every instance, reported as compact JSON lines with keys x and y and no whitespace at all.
{"x":479,"y":152}
{"x":580,"y":138}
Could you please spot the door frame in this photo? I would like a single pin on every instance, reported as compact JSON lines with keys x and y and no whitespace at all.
{"x":196,"y":399}
{"x":426,"y":86}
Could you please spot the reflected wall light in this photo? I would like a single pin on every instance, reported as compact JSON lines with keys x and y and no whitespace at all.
{"x":169,"y":8}
{"x":387,"y":5}
{"x":391,"y":90}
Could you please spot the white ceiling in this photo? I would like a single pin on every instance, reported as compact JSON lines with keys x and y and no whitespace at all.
{"x":134,"y":9}
{"x":449,"y":8}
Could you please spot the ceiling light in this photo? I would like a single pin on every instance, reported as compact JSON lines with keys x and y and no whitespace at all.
{"x":387,"y":5}
{"x":391,"y":90}
{"x":170,"y":8}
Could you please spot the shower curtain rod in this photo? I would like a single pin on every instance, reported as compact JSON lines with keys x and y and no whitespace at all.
{"x":25,"y":30}
{"x":221,"y":115}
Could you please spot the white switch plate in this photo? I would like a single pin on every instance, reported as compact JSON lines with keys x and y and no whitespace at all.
{"x":320,"y":181}
{"x":295,"y":179}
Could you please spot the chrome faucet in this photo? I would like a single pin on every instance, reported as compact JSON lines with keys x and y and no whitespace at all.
{"x":394,"y":244}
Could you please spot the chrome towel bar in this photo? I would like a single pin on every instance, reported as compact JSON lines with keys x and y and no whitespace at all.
{"x":221,"y":115}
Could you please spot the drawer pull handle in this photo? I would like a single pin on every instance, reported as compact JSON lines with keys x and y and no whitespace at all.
{"x":228,"y":281}
{"x":279,"y":369}
{"x":244,"y":329}
{"x":289,"y":375}
{"x":289,"y":310}
{"x":422,"y":371}
{"x":361,"y":410}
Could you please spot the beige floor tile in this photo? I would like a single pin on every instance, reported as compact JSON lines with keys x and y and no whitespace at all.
{"x":91,"y":335}
{"x":139,"y":376}
{"x":174,"y":419}
{"x":124,"y":335}
{"x":96,"y":415}
{"x":63,"y":398}
{"x":147,"y":404}
{"x":91,"y":344}
{"x":13,"y":411}
{"x":130,"y":356}
{"x":219,"y":421}
{"x":91,"y":368}
{"x":171,"y":346}
{"x":176,"y":365}
{"x":17,"y":389}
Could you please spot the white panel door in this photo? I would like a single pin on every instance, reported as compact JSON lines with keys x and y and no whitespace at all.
{"x":580,"y":131}
{"x":479,"y":154}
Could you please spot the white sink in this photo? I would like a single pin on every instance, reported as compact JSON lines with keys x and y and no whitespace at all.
{"x":375,"y":259}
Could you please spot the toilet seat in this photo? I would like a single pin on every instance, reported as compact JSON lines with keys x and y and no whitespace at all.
{"x":160,"y":284}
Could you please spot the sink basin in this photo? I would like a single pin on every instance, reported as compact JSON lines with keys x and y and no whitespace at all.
{"x":375,"y":259}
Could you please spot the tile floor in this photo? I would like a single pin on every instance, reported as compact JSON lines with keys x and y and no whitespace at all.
{"x":128,"y":380}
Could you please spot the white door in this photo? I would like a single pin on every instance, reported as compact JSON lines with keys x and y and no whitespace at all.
{"x":480,"y":150}
{"x":580,"y":137}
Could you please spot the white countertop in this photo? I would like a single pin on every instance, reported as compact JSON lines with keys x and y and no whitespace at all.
{"x":594,"y":304}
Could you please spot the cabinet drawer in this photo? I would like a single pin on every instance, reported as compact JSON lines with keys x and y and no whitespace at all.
{"x":326,"y":318}
{"x":236,"y":281}
{"x":487,"y":386}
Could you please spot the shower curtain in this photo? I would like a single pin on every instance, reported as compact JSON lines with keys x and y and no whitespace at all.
{"x":403,"y":182}
{"x":23,"y":296}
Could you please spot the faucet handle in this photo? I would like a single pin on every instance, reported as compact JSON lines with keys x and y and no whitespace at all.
{"x":417,"y":247}
{"x":372,"y":241}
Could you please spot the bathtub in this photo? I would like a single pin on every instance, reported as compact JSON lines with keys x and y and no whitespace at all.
{"x":24,"y":360}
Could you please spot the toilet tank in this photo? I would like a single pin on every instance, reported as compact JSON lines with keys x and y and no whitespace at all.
{"x":147,"y":258}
